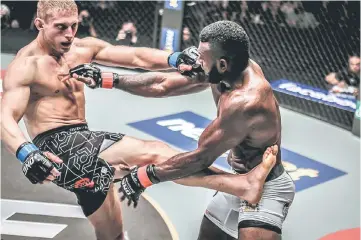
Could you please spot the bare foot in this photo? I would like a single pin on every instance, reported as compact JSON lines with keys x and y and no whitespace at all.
{"x":258,"y":175}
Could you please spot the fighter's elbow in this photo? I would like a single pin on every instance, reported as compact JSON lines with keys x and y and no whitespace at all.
{"x":144,"y":65}
{"x":164,"y":92}
{"x":139,"y":61}
{"x":208,"y":162}
{"x":162,"y":89}
{"x":154,"y":91}
{"x":205,"y":161}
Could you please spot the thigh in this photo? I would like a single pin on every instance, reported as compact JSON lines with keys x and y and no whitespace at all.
{"x":265,"y":220}
{"x":209,"y":231}
{"x":223,"y":213}
{"x":107,"y":219}
{"x":133,"y":151}
{"x":253,"y":233}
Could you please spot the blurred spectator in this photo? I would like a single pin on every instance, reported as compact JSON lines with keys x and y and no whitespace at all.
{"x":346,"y":80}
{"x":305,"y":19}
{"x":289,"y":10}
{"x":86,"y":27}
{"x":255,"y":9}
{"x":15,"y":24}
{"x":5,"y":16}
{"x":214,"y":11}
{"x":186,"y":37}
{"x":273,"y":14}
{"x":241,"y":15}
{"x":6,"y":21}
{"x":127,"y":35}
{"x":105,"y":19}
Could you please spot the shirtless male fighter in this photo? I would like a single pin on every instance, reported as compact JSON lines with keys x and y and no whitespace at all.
{"x":83,"y":161}
{"x":248,"y":121}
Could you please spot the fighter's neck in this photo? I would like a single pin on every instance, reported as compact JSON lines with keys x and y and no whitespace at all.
{"x":45,"y":48}
{"x":233,"y":82}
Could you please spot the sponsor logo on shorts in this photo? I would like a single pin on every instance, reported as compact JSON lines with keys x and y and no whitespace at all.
{"x":182,"y":130}
{"x":104,"y":170}
{"x":84,"y":182}
{"x":247,"y":207}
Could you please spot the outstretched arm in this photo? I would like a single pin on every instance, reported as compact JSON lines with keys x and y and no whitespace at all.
{"x":151,"y":84}
{"x":224,"y":133}
{"x":124,"y":56}
{"x":157,"y":84}
{"x":190,"y":168}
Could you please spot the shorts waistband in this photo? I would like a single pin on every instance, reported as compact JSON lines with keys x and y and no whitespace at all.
{"x":69,"y":128}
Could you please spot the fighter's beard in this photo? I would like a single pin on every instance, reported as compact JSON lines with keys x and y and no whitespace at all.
{"x":214,"y":76}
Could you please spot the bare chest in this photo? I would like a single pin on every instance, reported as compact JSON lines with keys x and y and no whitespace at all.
{"x":52,"y":78}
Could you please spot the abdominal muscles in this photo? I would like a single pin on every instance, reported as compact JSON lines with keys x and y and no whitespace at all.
{"x":50,"y":112}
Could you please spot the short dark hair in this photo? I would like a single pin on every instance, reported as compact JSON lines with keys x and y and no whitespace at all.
{"x":354,"y":55}
{"x":230,"y":38}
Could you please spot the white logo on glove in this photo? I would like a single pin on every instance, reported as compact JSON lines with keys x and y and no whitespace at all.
{"x":28,"y":164}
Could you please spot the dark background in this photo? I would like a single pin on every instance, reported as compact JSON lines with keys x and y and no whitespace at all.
{"x":301,"y":43}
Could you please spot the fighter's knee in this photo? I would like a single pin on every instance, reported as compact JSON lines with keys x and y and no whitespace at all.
{"x":158,"y":145}
{"x":157,"y":152}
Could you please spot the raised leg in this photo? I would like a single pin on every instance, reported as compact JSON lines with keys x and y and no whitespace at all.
{"x":132,"y":151}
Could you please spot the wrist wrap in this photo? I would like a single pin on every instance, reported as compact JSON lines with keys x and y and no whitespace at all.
{"x":25,"y":150}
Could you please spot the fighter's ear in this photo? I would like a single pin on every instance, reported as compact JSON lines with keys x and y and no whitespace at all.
{"x":39,"y":23}
{"x":222,"y":65}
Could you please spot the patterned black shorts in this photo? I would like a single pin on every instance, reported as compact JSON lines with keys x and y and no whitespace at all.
{"x":82,"y":171}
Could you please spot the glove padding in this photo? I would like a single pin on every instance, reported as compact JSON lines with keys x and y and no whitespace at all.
{"x":37,"y":167}
{"x":131,"y":188}
{"x":88,"y":70}
{"x":189,"y":56}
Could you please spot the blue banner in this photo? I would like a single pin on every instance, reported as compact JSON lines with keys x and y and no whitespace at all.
{"x":346,"y":102}
{"x":183,"y":130}
{"x":170,"y":39}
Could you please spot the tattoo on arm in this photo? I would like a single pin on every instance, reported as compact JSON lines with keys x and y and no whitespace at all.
{"x":157,"y":84}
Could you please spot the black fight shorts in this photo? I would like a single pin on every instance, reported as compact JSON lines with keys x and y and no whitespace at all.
{"x":82,"y":171}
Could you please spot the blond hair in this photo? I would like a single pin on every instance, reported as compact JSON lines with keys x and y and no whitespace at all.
{"x":46,"y":7}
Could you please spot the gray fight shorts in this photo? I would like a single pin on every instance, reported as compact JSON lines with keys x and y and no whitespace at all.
{"x":230,"y":213}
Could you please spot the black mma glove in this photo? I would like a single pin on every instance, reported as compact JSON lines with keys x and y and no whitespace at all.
{"x":36,"y":166}
{"x":188,"y":56}
{"x":134,"y":183}
{"x":99,"y":79}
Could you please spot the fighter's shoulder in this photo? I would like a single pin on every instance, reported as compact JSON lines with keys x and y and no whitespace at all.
{"x":235,"y":106}
{"x":246,"y":102}
{"x":90,"y":43}
{"x":22,"y":65}
{"x":29,"y":56}
{"x":22,"y":69}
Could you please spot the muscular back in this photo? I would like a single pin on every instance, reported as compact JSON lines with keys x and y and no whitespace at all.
{"x":264,"y":116}
{"x":52,"y":102}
